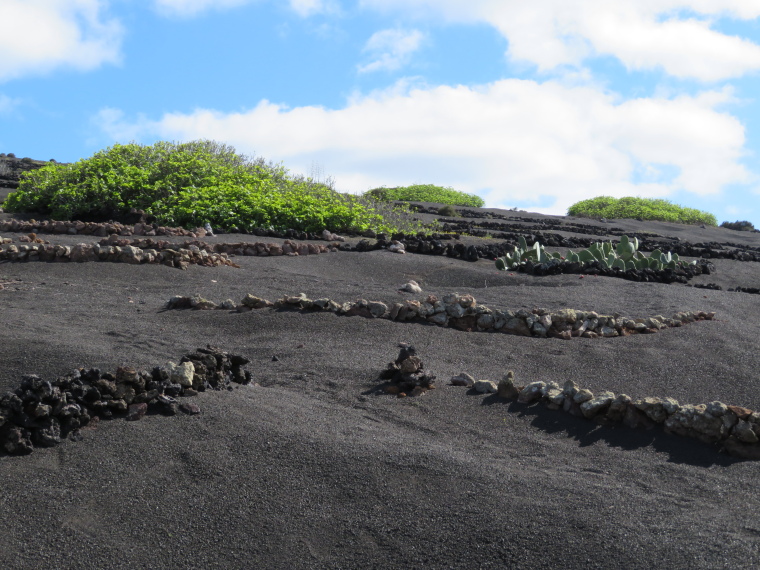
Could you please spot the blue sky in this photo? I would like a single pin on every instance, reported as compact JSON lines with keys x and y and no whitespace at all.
{"x":531,"y":105}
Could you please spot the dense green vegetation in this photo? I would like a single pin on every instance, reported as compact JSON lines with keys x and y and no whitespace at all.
{"x":448,"y":210}
{"x":742,"y":226}
{"x":639,"y":209}
{"x":189,"y":184}
{"x":426,"y":193}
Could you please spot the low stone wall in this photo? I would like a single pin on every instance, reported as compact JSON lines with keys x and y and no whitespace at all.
{"x":149,"y":250}
{"x":734,"y":429}
{"x":288,"y":247}
{"x":105,"y":229}
{"x":41,"y":412}
{"x":463,"y":312}
{"x":180,"y":258}
{"x":102,"y":229}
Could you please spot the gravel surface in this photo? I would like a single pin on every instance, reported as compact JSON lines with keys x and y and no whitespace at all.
{"x":312,"y":467}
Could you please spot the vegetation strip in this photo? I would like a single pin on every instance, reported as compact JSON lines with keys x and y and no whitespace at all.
{"x":639,"y":209}
{"x":733,"y":429}
{"x":41,"y":413}
{"x":194,"y":183}
{"x":426,"y":193}
{"x":463,"y":313}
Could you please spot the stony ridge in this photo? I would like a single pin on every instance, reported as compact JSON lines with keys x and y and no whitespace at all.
{"x":463,"y":312}
{"x":733,"y":429}
{"x":41,"y":413}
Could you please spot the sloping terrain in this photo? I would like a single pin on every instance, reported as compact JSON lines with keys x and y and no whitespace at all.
{"x":314,"y":467}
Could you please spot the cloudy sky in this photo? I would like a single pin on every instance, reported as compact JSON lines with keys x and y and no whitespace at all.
{"x":533,"y":105}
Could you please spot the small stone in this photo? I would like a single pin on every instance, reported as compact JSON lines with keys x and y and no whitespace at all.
{"x":716,"y":409}
{"x":18,"y":441}
{"x":507,"y":388}
{"x":618,"y":406}
{"x":597,"y":405}
{"x":417,"y":391}
{"x":741,"y":413}
{"x":397,"y":247}
{"x":377,"y":309}
{"x":485,"y":387}
{"x":136,"y":411}
{"x":636,"y":419}
{"x":438,"y":319}
{"x":411,"y":287}
{"x":554,"y":398}
{"x":182,"y":374}
{"x":189,"y":408}
{"x":48,"y":433}
{"x":463,"y":379}
{"x":411,"y":365}
{"x":583,"y":395}
{"x":531,"y":392}
{"x":118,"y":405}
{"x":744,"y":433}
{"x":657,"y":409}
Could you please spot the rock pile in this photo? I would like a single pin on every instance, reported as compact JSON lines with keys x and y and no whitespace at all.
{"x":180,"y":257}
{"x":101,"y":229}
{"x":407,"y":374}
{"x":43,"y":412}
{"x":116,"y":248}
{"x":737,"y":289}
{"x":288,"y":247}
{"x":734,"y":429}
{"x":141,"y":227}
{"x":463,"y":312}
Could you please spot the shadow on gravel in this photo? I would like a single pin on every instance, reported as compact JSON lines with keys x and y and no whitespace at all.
{"x":585,"y":432}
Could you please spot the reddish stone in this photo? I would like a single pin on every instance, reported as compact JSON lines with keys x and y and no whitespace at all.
{"x":741,"y":413}
{"x":136,"y":411}
{"x":189,"y":408}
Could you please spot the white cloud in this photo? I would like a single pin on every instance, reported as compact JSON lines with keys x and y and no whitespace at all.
{"x":391,"y":49}
{"x":306,"y":8}
{"x":642,"y":34}
{"x":8,"y":104}
{"x":513,"y":141}
{"x":187,"y":8}
{"x":37,"y":36}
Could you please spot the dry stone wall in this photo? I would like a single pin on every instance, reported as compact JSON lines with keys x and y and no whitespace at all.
{"x":464,"y":313}
{"x":148,"y":250}
{"x":41,"y":413}
{"x":732,"y":429}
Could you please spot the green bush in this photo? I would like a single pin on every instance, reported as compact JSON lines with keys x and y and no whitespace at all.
{"x":448,"y":210}
{"x":426,"y":193}
{"x":189,"y":184}
{"x":743,"y":226}
{"x":639,"y":209}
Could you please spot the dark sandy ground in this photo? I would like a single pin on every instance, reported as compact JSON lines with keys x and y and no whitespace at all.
{"x":313,"y":469}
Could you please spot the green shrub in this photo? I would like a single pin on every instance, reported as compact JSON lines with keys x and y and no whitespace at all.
{"x":448,"y":210}
{"x":189,"y":184}
{"x":743,"y":226}
{"x":639,"y":209}
{"x":426,"y":193}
